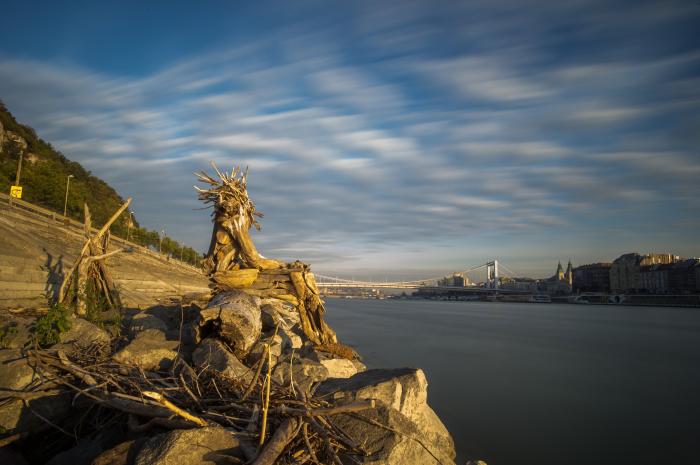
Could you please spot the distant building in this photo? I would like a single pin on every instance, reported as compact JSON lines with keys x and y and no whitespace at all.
{"x":683,"y":277}
{"x":625,"y":272}
{"x":456,"y":280}
{"x":654,"y":278}
{"x":560,"y":283}
{"x":594,"y":277}
{"x":519,"y":284}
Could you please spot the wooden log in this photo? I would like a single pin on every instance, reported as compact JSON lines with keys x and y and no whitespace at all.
{"x":112,"y":219}
{"x":299,"y":284}
{"x":306,"y":324}
{"x":274,"y":448}
{"x":249,"y":253}
{"x":236,"y":279}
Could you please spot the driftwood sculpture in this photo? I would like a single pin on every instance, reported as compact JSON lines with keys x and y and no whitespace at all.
{"x":89,"y":275}
{"x":233,"y":262}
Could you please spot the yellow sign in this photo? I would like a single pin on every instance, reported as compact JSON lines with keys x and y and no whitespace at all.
{"x":16,"y":192}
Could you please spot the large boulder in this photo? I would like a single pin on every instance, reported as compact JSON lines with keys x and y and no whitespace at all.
{"x":399,"y":442}
{"x":15,"y":372}
{"x":143,"y":321}
{"x":337,"y":367}
{"x":404,"y":390}
{"x":291,"y":338}
{"x":258,"y":350}
{"x":212,"y":354}
{"x":90,"y":447}
{"x":149,"y":350}
{"x":9,"y":456}
{"x":279,"y":313}
{"x":83,"y":333}
{"x":235,"y":318}
{"x":121,"y":454}
{"x":205,"y":446}
{"x":15,"y":332}
{"x":302,"y":371}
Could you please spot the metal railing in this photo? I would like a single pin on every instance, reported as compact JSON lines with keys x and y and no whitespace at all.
{"x":60,"y":220}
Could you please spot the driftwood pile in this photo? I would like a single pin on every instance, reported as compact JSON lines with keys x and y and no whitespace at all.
{"x":89,"y":280}
{"x":273,"y":424}
{"x":234,"y":263}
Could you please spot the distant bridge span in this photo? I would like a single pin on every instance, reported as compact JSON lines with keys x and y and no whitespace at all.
{"x":324,"y":281}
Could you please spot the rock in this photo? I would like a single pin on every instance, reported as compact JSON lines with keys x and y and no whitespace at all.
{"x":403,"y":389}
{"x":342,"y":367}
{"x":190,"y":334}
{"x":9,"y":456}
{"x":17,"y":139}
{"x":386,"y":447}
{"x":15,"y":372}
{"x":83,"y":333}
{"x":89,"y":447}
{"x":143,"y":321}
{"x":304,"y":372}
{"x":15,"y":332}
{"x":149,"y":350}
{"x":235,"y":317}
{"x":203,"y":446}
{"x":337,"y":367}
{"x":291,"y":338}
{"x":278,"y":312}
{"x":213,"y":354}
{"x":258,"y":350}
{"x":122,"y":454}
{"x":15,"y":417}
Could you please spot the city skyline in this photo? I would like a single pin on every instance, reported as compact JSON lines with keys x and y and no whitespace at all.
{"x":389,"y":137}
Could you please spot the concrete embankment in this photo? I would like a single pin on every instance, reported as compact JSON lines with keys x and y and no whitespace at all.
{"x":36,"y":250}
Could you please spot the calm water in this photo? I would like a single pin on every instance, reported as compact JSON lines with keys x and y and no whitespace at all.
{"x":544,"y":384}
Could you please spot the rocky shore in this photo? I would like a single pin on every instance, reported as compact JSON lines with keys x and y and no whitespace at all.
{"x":85,"y":399}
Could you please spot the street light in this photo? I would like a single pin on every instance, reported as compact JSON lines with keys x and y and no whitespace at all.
{"x":129,"y":220}
{"x":160,"y":240}
{"x":65,"y":203}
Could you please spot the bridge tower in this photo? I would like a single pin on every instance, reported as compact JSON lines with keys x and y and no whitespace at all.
{"x":492,"y":274}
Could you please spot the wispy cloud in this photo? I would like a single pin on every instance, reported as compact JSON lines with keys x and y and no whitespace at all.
{"x":416,"y":134}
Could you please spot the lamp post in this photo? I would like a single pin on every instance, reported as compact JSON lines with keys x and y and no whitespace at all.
{"x":129,"y":220}
{"x":19,"y":171}
{"x":65,"y":203}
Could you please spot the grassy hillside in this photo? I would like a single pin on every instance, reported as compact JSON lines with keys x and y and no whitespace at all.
{"x":43,"y":178}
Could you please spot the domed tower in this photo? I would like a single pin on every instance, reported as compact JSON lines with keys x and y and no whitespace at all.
{"x":569,"y":275}
{"x":560,"y":272}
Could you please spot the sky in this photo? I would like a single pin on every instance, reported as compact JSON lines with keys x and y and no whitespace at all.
{"x":384,"y":140}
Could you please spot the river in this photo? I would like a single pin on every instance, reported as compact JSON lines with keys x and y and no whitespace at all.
{"x":544,"y":383}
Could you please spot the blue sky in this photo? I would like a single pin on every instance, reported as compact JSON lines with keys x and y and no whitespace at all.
{"x":384,"y":139}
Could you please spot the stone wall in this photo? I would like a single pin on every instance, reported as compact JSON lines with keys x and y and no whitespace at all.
{"x":35,"y":252}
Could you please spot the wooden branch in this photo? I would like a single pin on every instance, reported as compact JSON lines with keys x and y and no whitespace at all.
{"x":274,"y":448}
{"x":112,"y":219}
{"x":94,"y":258}
{"x":353,"y":407}
{"x":158,"y":397}
{"x":236,"y":278}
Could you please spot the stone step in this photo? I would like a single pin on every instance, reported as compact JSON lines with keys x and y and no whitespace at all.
{"x":15,"y":286}
{"x":12,"y":274}
{"x":6,"y":295}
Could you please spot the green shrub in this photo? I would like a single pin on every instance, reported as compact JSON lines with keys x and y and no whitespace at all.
{"x":6,"y":333}
{"x":49,"y":327}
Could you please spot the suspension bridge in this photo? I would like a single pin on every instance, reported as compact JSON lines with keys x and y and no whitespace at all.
{"x":492,"y":268}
